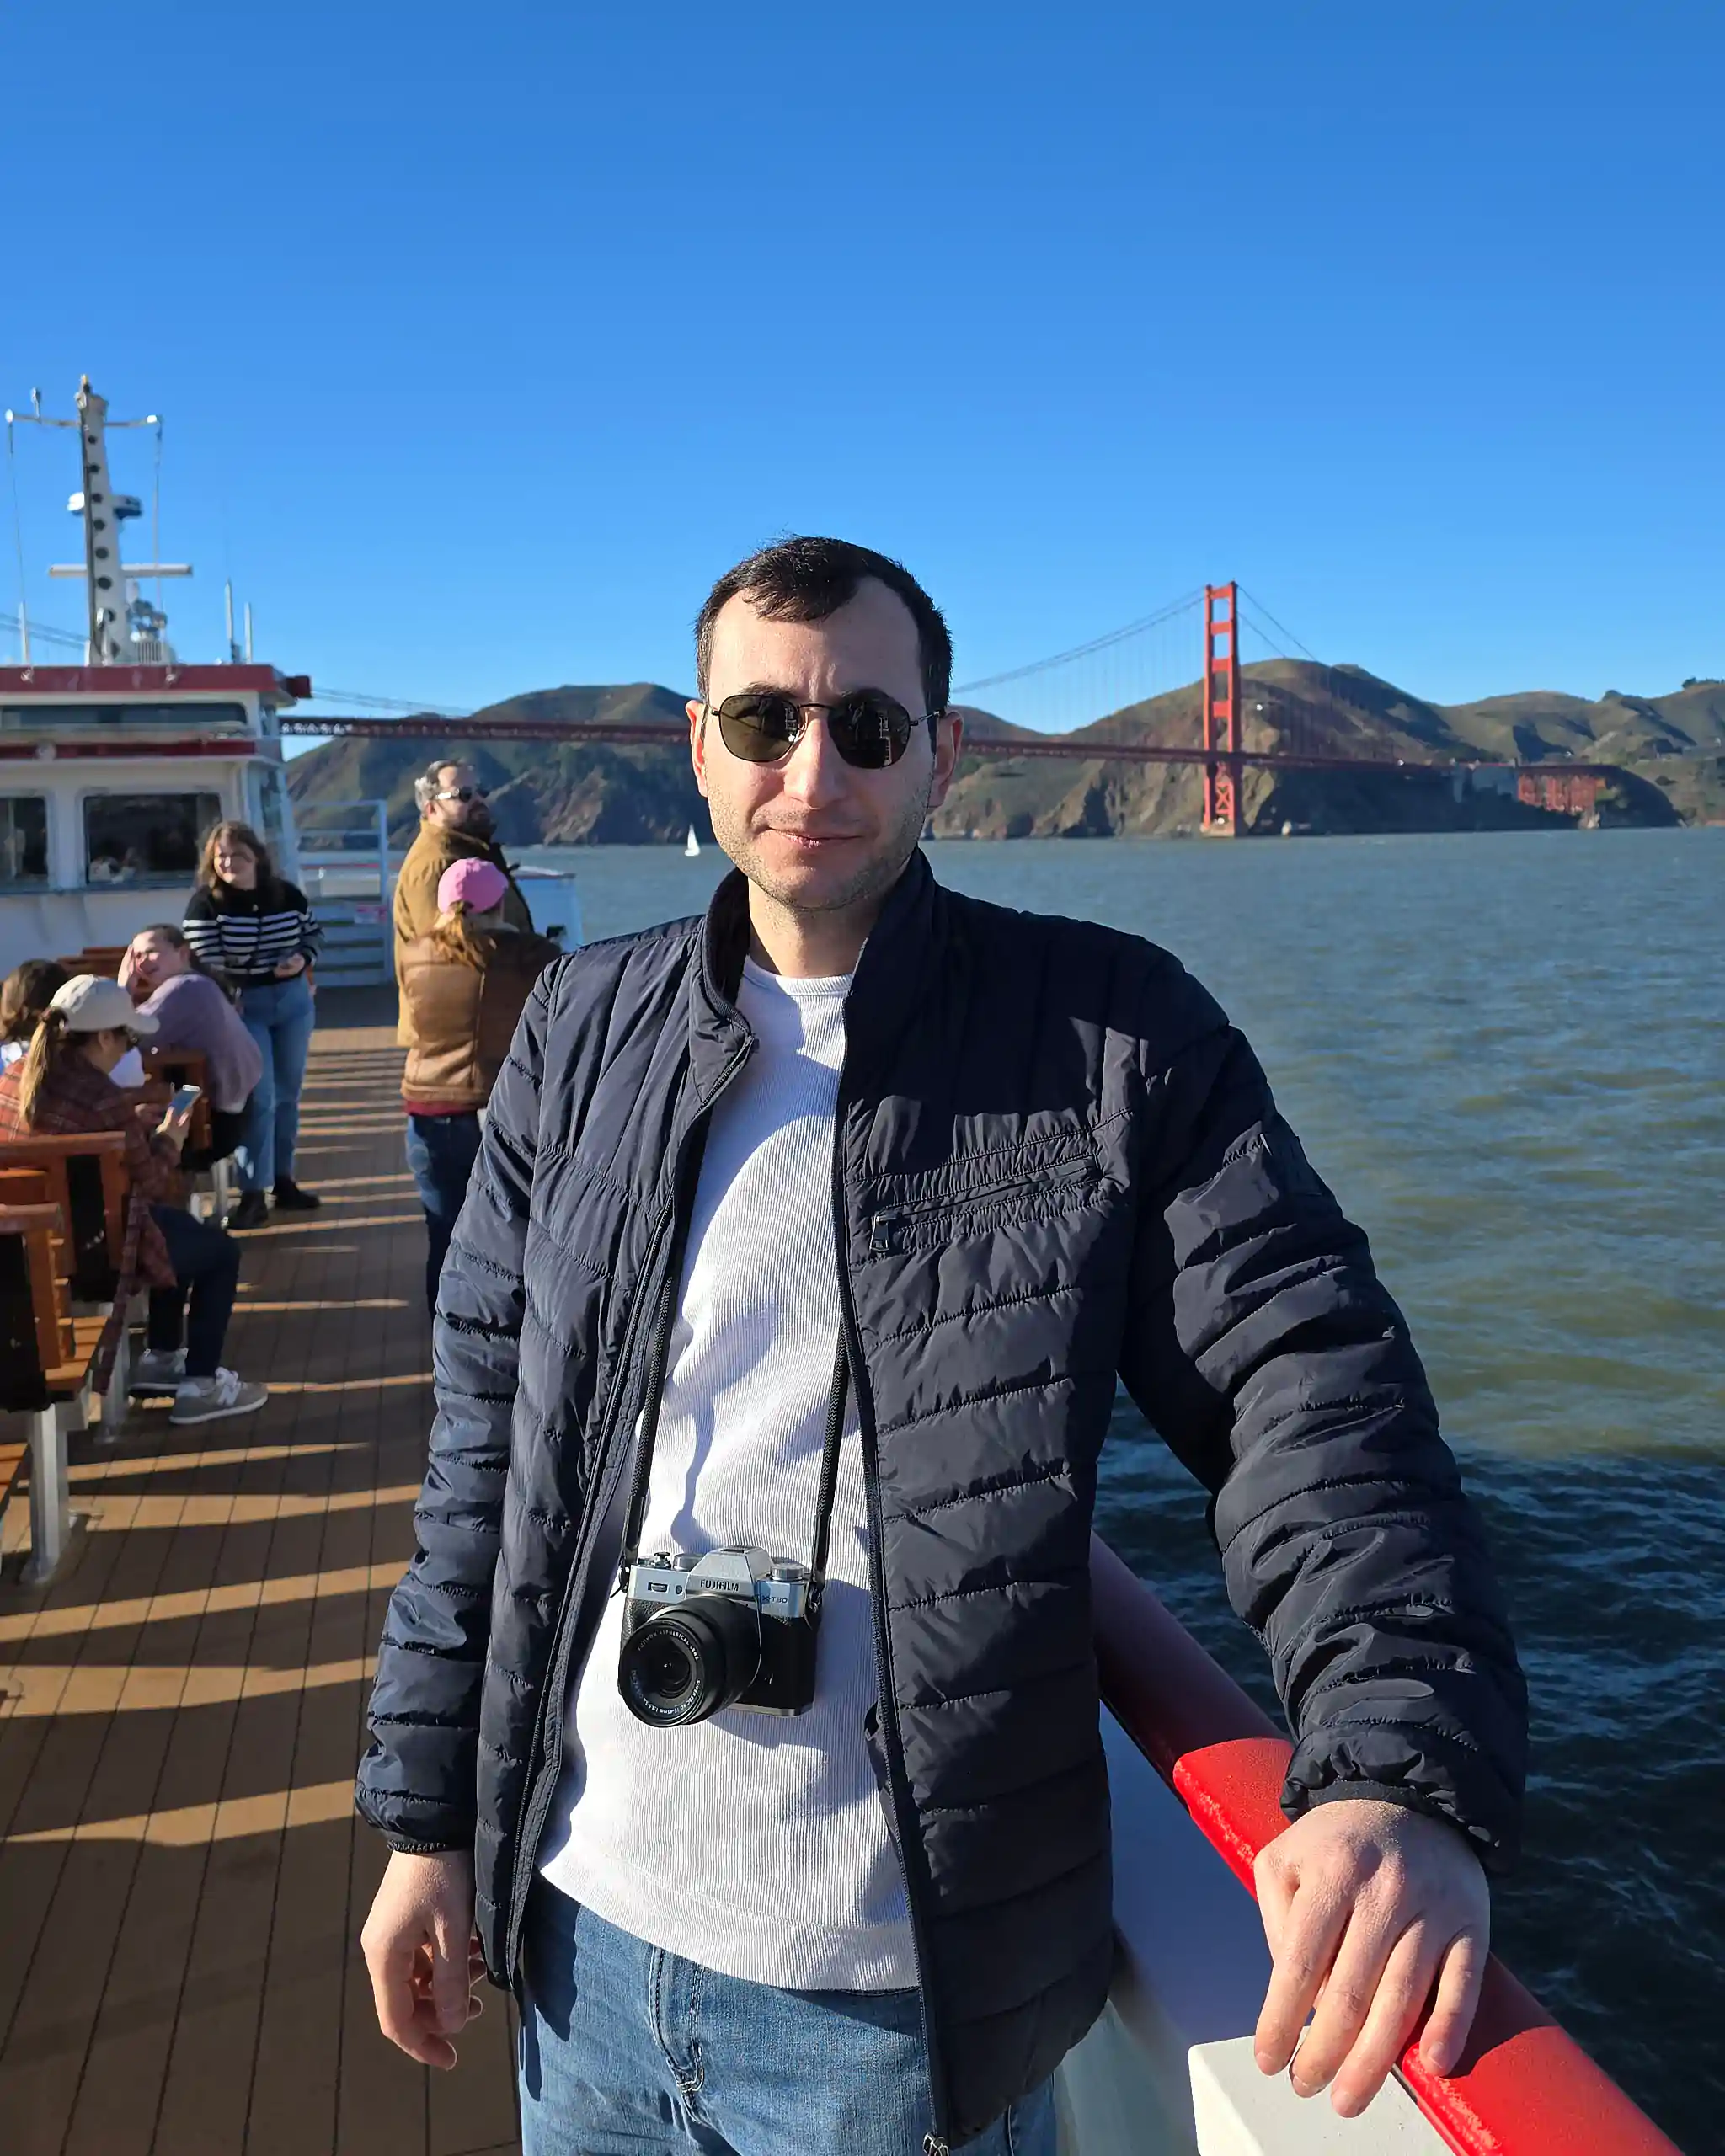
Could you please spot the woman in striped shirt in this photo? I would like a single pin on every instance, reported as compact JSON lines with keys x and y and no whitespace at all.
{"x":254,"y":931}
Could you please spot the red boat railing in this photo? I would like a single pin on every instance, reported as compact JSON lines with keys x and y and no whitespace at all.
{"x":1524,"y":2087}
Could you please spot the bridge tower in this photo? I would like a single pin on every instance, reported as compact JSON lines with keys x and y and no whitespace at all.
{"x":1221,"y":711}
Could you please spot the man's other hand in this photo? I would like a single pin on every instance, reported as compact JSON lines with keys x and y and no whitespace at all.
{"x":1366,"y":1906}
{"x":423,"y":1953}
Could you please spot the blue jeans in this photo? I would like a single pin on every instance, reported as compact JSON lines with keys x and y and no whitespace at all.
{"x":278,"y":1015}
{"x":628,"y":2050}
{"x":205,"y":1264}
{"x":442,"y":1151}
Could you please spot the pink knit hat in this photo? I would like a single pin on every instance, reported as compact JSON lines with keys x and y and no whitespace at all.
{"x":478,"y":883}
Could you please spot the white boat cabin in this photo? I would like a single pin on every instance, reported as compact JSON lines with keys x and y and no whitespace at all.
{"x":108,"y":777}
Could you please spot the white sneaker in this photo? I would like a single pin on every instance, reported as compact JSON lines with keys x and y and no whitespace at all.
{"x":157,"y":1370}
{"x":207,"y":1399}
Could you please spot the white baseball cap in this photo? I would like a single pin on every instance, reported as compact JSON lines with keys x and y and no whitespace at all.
{"x":90,"y":1003}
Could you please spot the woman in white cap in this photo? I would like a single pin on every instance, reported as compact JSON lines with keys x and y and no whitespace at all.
{"x":462,"y":987}
{"x":65,"y":1086}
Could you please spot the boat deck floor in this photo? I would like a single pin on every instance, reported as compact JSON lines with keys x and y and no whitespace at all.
{"x":182,"y":1877}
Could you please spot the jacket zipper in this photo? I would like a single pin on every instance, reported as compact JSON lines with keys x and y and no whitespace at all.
{"x":1058,"y":1177}
{"x":543,"y":1781}
{"x":530,"y":1823}
{"x":934,"y":2141}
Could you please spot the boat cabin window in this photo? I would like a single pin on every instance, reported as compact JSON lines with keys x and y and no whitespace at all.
{"x":145,"y":838}
{"x":24,"y":838}
{"x":188,"y":716}
{"x":272,"y":816}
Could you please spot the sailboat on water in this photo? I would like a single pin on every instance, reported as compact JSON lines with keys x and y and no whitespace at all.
{"x":691,"y":845}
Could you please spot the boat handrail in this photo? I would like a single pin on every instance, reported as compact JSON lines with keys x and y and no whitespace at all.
{"x":1525,"y":2087}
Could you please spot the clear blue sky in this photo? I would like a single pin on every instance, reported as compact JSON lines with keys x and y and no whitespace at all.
{"x":485,"y":337}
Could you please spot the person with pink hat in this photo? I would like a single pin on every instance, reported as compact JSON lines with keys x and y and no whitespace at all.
{"x":462,"y":987}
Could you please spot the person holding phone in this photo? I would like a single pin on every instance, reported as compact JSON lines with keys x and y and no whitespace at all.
{"x":65,"y":1085}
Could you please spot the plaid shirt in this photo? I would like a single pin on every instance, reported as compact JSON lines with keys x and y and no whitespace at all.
{"x":78,"y":1098}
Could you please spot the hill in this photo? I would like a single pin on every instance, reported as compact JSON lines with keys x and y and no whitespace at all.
{"x":1669,"y":751}
{"x":544,"y":793}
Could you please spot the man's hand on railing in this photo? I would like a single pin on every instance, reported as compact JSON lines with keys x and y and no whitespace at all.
{"x":1366,"y":1906}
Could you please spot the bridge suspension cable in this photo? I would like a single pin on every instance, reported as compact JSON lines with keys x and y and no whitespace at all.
{"x":1071,"y":688}
{"x":405,"y":705}
{"x":1168,"y":613}
{"x":1266,"y":623}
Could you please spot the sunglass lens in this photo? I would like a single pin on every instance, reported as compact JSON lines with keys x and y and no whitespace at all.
{"x":870,"y":731}
{"x":758,"y":728}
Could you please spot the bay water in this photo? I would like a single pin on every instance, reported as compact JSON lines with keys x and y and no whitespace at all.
{"x":1506,"y":1054}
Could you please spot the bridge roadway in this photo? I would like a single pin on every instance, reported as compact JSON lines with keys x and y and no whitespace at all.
{"x":1005,"y":747}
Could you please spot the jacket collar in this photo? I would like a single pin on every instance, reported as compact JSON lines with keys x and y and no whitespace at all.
{"x":890,"y":979}
{"x":459,"y":843}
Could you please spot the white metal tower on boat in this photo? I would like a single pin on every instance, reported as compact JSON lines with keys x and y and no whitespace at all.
{"x":111,"y":769}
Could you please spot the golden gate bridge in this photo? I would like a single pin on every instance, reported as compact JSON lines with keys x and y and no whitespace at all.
{"x":1103,"y":673}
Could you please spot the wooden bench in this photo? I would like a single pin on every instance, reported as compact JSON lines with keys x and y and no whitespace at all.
{"x":45,"y":1354}
{"x":31,"y":1342}
{"x":102,"y":958}
{"x":86,"y":1179}
{"x":83,"y":1178}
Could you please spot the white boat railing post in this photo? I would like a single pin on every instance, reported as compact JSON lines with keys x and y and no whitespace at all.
{"x":117,"y":1399}
{"x":50,"y":1497}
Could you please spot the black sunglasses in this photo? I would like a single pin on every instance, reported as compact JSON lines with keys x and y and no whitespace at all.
{"x":461,"y":794}
{"x":869,"y":729}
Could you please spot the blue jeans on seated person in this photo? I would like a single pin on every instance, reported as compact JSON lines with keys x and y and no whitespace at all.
{"x":279,"y":1015}
{"x":205,"y":1264}
{"x":442,"y":1151}
{"x":628,"y":2050}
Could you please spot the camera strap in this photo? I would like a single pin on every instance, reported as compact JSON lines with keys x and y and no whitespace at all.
{"x":829,"y":1474}
{"x":634,"y":1520}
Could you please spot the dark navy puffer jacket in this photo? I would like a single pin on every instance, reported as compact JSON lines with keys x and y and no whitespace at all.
{"x":1054,"y":1163}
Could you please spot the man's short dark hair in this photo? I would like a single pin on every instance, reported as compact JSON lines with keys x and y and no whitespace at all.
{"x":807,"y":579}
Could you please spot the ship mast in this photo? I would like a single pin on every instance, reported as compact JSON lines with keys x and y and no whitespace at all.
{"x":105,"y":576}
{"x":102,"y":515}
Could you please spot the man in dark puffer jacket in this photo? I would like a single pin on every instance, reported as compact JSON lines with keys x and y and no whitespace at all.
{"x":1002,"y":1160}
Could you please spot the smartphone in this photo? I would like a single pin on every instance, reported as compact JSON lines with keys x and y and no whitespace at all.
{"x":183,"y":1095}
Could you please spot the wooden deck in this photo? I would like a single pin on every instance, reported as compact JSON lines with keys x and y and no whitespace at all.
{"x":182,"y":1877}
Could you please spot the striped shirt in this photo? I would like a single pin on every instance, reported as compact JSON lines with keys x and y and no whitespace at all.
{"x":236,"y":937}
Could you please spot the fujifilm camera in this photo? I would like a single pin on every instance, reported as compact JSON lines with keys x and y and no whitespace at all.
{"x":735,"y":1628}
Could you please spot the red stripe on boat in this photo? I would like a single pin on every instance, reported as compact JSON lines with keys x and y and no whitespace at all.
{"x":1524,"y":2087}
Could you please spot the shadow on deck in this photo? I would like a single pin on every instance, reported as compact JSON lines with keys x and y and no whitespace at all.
{"x":182,"y":1878}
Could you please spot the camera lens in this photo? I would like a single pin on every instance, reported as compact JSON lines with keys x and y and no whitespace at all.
{"x":682,"y":1665}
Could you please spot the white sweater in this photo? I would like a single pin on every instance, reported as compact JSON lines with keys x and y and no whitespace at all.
{"x":752,"y":1843}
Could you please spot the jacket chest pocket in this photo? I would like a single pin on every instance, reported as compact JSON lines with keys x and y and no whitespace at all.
{"x":1021,"y":1194}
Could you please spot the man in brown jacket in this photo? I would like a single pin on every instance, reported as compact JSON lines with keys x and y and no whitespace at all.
{"x":456,"y":823}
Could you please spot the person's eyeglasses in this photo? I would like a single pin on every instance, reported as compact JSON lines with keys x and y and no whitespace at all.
{"x":869,"y":729}
{"x":461,"y":794}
